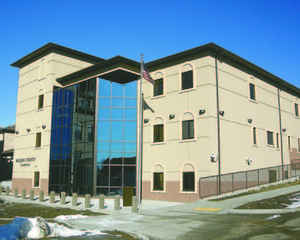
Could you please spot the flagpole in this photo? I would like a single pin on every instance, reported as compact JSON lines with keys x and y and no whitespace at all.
{"x":140,"y":136}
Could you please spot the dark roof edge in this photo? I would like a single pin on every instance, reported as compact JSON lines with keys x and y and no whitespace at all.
{"x":211,"y":49}
{"x":52,"y":47}
{"x":117,"y":61}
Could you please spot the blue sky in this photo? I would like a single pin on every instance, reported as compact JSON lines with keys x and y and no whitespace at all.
{"x":266,"y":33}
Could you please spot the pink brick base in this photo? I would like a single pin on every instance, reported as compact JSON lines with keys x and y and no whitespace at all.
{"x":172,"y":193}
{"x":26,"y":183}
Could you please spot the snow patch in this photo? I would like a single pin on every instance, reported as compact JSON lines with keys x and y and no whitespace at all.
{"x":69,"y":217}
{"x":273,"y":217}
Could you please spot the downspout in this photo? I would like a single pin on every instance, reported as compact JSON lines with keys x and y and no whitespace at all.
{"x":218,"y":126}
{"x":280,"y":125}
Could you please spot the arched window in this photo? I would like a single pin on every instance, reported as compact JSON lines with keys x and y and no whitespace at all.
{"x":158,"y":87}
{"x":158,"y":178}
{"x":188,"y":178}
{"x":187,"y":81}
{"x":158,"y":130}
{"x":188,"y":126}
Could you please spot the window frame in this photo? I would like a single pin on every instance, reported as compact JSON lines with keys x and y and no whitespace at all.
{"x":183,"y":138}
{"x":154,"y":182}
{"x":41,"y":99}
{"x":254,"y":136}
{"x":289,"y":142}
{"x":277,"y":140}
{"x":252,"y":92}
{"x":34,"y":179}
{"x":156,"y":138}
{"x":156,"y":81}
{"x":193,"y":188}
{"x":182,"y":76}
{"x":296,"y":109}
{"x":38,"y":140}
{"x":268,"y":143}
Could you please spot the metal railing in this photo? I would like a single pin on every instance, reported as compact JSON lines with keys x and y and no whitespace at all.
{"x":230,"y":182}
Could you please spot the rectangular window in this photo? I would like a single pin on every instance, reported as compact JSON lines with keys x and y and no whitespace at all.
{"x":188,"y":184}
{"x":298,"y":144}
{"x":78,"y":131}
{"x":277,"y":140}
{"x":41,"y":102}
{"x":158,"y":88}
{"x":296,"y":110}
{"x":90,"y":132}
{"x":252,"y":91}
{"x":158,"y":181}
{"x":289,"y":142}
{"x":254,"y":136}
{"x":187,"y":80}
{"x":38,"y":139}
{"x":270,"y":138}
{"x":187,"y":129}
{"x":36,"y":180}
{"x":158,"y":133}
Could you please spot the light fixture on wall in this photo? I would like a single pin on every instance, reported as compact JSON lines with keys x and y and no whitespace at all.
{"x":146,"y":120}
{"x":249,"y":161}
{"x":201,"y":111}
{"x":28,"y":129}
{"x":250,"y":120}
{"x":171,"y":116}
{"x":43,"y":126}
{"x":17,"y":132}
{"x":221,"y":113}
{"x":213,"y":158}
{"x":284,"y":129}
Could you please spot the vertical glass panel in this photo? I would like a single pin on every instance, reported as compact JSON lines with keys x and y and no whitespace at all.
{"x":103,"y":158}
{"x":117,"y":102}
{"x":130,"y":158}
{"x":130,"y":102}
{"x":116,"y":158}
{"x":104,"y":130}
{"x":102,"y":175}
{"x":116,"y":176}
{"x":117,"y":147}
{"x":103,"y":146}
{"x":104,"y":88}
{"x":104,"y":113}
{"x":117,"y":132}
{"x":104,"y":102}
{"x":117,"y":89}
{"x":131,"y":89}
{"x":130,"y":114}
{"x":130,"y":147}
{"x":129,"y":175}
{"x":130,"y":131}
{"x":117,"y":114}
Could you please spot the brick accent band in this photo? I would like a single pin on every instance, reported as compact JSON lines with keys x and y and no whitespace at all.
{"x":26,"y":183}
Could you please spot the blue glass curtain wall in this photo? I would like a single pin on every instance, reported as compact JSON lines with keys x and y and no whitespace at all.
{"x":116,"y":136}
{"x":72,"y":138}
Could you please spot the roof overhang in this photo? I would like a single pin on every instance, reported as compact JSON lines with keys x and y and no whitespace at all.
{"x":116,"y":69}
{"x":52,"y":47}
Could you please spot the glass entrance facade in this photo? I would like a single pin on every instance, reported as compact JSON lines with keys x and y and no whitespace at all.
{"x":93,"y":137}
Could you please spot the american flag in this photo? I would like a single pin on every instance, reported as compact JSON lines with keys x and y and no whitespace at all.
{"x":146,"y":75}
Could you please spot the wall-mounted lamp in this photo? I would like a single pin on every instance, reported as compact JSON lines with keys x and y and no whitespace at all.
{"x":17,"y":132}
{"x":201,"y":111}
{"x":213,"y":158}
{"x":250,"y":120}
{"x":171,"y":116}
{"x":221,"y":113}
{"x":43,"y":126}
{"x":28,"y":129}
{"x":284,"y":129}
{"x":146,"y":120}
{"x":249,"y":161}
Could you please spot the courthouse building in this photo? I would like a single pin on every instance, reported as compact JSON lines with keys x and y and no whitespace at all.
{"x":209,"y":112}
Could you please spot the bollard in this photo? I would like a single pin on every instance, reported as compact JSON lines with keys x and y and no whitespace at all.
{"x":16,"y":192}
{"x":24,"y":193}
{"x":52,"y":197}
{"x":41,"y":196}
{"x":117,"y":202}
{"x":101,"y":201}
{"x":134,"y":208}
{"x":74,"y":199}
{"x":62,"y":198}
{"x":87,"y":201}
{"x":31,"y":194}
{"x":7,"y":191}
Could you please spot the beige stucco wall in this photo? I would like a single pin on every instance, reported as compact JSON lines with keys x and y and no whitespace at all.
{"x":236,"y":133}
{"x":35,"y":79}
